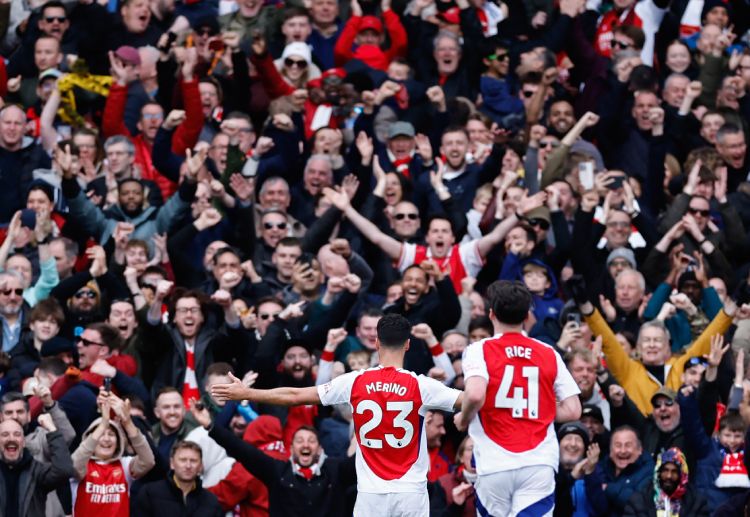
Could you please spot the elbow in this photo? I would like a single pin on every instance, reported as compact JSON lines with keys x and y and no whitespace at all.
{"x":474,"y":398}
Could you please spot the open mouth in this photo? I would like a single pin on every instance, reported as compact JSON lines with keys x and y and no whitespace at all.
{"x":12,"y":448}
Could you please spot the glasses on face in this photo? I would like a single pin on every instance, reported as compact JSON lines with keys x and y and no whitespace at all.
{"x":620,"y":44}
{"x":265,"y":316}
{"x":52,"y":19}
{"x":550,"y":144}
{"x":271,"y":226}
{"x":204,"y":32}
{"x":85,"y":294}
{"x":152,"y":116}
{"x":499,"y":57}
{"x":18,"y":291}
{"x":299,"y":63}
{"x":541,"y":223}
{"x":87,"y":342}
{"x":663,"y":403}
{"x":188,"y":310}
{"x":698,"y":211}
{"x":618,"y":224}
{"x":401,"y":217}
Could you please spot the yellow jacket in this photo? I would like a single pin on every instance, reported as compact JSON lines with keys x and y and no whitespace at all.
{"x":633,"y":376}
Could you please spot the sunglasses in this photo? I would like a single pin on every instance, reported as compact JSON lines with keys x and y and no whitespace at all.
{"x":620,"y":44}
{"x":541,"y":223}
{"x":301,"y":63}
{"x":267,"y":316}
{"x":664,"y":403}
{"x":87,"y":342}
{"x":527,"y":93}
{"x":85,"y":294}
{"x":697,"y":211}
{"x":205,"y":32}
{"x":59,"y":19}
{"x":401,"y":217}
{"x":550,"y":143}
{"x":18,"y":291}
{"x":271,"y":226}
{"x":695,"y":361}
{"x":618,"y":224}
{"x":499,"y":57}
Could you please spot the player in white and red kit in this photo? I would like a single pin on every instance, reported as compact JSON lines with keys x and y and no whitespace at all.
{"x":515,"y":388}
{"x":388,"y":407}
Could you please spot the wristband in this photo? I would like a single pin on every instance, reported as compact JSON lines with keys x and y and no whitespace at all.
{"x":327,"y":355}
{"x":436,"y":350}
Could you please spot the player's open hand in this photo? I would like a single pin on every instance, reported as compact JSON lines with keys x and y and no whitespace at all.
{"x":235,"y":390}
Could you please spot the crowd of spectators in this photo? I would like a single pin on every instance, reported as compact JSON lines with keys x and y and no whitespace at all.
{"x":195,"y":188}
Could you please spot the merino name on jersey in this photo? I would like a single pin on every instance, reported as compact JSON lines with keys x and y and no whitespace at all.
{"x":386,"y":387}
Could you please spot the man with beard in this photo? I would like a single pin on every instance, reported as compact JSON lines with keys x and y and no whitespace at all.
{"x":171,"y":426}
{"x":660,"y":430}
{"x":13,"y":310}
{"x":670,"y":494}
{"x":120,"y":165}
{"x":27,"y":481}
{"x":184,"y":347}
{"x":129,"y":207}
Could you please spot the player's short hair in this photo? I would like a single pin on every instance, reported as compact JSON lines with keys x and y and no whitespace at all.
{"x":393,"y":331}
{"x":509,"y":301}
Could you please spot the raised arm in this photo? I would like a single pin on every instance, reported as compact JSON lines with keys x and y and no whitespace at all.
{"x":277,"y":396}
{"x":388,"y":244}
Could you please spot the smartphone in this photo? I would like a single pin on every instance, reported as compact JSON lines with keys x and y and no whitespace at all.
{"x":107,"y":384}
{"x":586,"y":175}
{"x":574,"y":317}
{"x":616,"y":183}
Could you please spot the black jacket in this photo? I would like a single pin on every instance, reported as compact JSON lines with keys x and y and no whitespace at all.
{"x":37,"y":479}
{"x":164,"y":499}
{"x":290,"y":495}
{"x":16,"y":169}
{"x":642,"y":504}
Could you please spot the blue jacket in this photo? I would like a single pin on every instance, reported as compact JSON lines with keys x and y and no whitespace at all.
{"x":679,"y":325}
{"x":709,"y":454}
{"x":545,"y":306}
{"x":611,"y":501}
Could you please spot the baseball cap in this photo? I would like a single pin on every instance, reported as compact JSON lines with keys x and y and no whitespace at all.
{"x":401,"y":128}
{"x":593,"y":411}
{"x":57,"y":345}
{"x":623,"y":253}
{"x":664,"y":392}
{"x":50,"y":73}
{"x":541,"y":212}
{"x":370,"y":22}
{"x":129,"y":54}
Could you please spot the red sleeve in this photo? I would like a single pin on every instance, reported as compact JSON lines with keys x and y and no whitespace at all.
{"x":273,"y":82}
{"x":113,"y":119}
{"x":35,"y":407}
{"x":186,"y":135}
{"x":235,"y":487}
{"x":342,"y":52}
{"x":3,"y":79}
{"x":397,"y":34}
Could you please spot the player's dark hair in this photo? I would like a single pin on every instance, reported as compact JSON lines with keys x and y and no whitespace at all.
{"x":393,"y":330}
{"x":510,"y":301}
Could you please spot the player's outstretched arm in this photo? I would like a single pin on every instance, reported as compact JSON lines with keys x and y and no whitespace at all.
{"x":568,"y":409}
{"x":277,"y":396}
